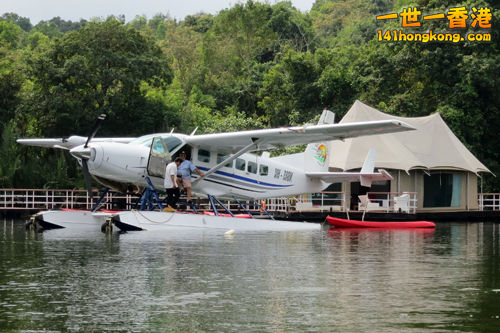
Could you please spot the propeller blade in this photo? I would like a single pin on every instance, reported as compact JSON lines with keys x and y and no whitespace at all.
{"x":96,"y":128}
{"x":88,"y":178}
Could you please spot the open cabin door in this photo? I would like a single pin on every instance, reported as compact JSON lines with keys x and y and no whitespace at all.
{"x":158,"y":157}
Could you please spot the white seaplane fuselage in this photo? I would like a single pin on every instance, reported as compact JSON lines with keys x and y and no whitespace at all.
{"x":248,"y":176}
{"x":230,"y":169}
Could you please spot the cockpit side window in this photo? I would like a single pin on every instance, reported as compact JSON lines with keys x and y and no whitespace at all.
{"x":172,"y":142}
{"x":158,"y":157}
{"x":159,"y":147}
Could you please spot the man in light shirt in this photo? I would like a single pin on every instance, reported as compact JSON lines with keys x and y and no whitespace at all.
{"x":184,"y":171}
{"x":170,"y":183}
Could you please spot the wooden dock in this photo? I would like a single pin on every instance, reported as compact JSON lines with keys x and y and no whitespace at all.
{"x":23,"y":202}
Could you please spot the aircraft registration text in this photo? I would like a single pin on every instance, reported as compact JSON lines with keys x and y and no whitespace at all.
{"x":285,"y":175}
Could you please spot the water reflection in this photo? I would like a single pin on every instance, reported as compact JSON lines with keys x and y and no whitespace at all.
{"x":199,"y":280}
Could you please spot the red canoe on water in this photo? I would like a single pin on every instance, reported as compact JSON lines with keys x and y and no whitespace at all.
{"x":344,"y":223}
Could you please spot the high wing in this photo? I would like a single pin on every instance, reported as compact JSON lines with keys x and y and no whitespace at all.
{"x":68,"y":143}
{"x":264,"y":139}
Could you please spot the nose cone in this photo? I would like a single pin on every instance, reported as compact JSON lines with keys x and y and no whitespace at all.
{"x":81,"y":152}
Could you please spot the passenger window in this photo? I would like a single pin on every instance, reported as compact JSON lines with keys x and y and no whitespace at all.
{"x":203,"y":156}
{"x":222,"y":157}
{"x":240,"y":164}
{"x":263,"y":170}
{"x":252,"y":167}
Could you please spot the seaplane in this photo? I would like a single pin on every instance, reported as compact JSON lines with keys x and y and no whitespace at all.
{"x":232,"y":167}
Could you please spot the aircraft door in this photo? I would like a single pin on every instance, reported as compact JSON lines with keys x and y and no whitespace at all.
{"x":158,"y":157}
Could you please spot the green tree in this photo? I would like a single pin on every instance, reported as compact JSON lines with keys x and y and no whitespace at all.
{"x":10,"y":35}
{"x":97,"y":69}
{"x":9,"y":157}
{"x":293,"y":28}
{"x":289,"y":93}
{"x":11,"y":77}
{"x":23,"y":22}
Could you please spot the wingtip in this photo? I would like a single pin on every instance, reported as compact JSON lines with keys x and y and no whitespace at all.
{"x":405,"y":125}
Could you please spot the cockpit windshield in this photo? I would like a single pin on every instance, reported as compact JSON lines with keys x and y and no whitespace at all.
{"x":171,"y":141}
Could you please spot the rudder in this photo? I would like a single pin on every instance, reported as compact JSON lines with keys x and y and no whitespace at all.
{"x":316,"y":155}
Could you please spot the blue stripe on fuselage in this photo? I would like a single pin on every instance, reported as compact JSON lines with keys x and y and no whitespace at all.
{"x":250,"y":180}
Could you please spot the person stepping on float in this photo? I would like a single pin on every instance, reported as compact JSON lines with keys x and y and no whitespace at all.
{"x":184,"y":172}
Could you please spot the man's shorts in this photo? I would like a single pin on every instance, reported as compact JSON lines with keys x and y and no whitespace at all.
{"x":186,"y":182}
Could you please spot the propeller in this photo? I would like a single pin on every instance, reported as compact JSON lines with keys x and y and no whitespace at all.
{"x":97,"y":125}
{"x":84,"y":154}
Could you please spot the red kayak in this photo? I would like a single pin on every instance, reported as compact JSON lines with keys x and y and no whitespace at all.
{"x":344,"y":223}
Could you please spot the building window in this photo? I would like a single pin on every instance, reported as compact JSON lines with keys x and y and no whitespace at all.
{"x":442,"y":190}
{"x":203,"y":156}
{"x":240,"y":164}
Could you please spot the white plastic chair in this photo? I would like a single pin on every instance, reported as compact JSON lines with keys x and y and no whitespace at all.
{"x":366,"y":205}
{"x":402,"y":203}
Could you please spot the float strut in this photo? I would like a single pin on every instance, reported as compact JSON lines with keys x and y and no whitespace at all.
{"x":223,"y":206}
{"x":243,"y":207}
{"x":98,"y":202}
{"x":147,"y":197}
{"x":263,"y":209}
{"x":212,"y":204}
{"x":193,"y":207}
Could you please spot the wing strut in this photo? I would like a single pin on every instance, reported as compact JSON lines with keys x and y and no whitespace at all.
{"x":231,"y":158}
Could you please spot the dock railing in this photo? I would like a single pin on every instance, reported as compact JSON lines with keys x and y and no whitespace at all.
{"x":489,"y":201}
{"x":322,"y":201}
{"x":387,"y":201}
{"x":43,"y":199}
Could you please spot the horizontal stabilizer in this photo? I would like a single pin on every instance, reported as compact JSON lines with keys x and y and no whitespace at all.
{"x":365,"y":177}
{"x":340,"y":177}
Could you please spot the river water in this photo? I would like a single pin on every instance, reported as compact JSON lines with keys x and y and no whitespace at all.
{"x":197,"y":280}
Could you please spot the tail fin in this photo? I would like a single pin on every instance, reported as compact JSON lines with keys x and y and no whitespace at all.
{"x":316,"y":156}
{"x":369,"y":164}
{"x":368,"y":169}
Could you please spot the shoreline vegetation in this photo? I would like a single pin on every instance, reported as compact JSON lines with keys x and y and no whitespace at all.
{"x":253,"y":65}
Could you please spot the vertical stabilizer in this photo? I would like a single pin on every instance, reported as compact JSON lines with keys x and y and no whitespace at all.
{"x":316,"y":156}
{"x":368,"y":169}
{"x":369,"y":164}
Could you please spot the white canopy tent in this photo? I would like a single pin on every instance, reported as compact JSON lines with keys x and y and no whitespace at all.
{"x":433,"y":146}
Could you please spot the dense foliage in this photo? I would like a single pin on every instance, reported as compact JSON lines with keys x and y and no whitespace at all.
{"x":252,"y":65}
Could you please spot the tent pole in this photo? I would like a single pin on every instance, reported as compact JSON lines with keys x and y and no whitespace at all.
{"x":399,"y":181}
